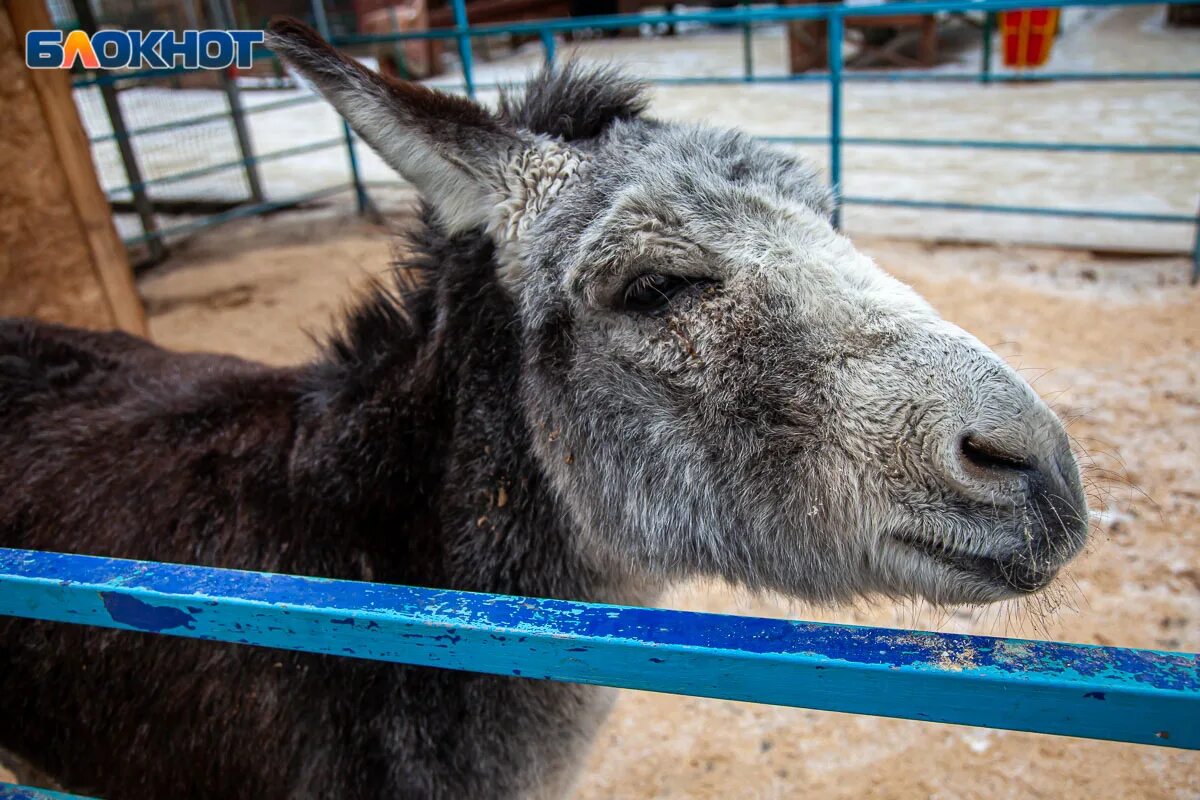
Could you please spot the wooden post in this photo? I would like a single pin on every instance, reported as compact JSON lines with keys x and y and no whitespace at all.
{"x":60,"y":256}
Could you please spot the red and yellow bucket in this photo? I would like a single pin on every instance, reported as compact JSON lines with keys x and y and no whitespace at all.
{"x":1028,"y":36}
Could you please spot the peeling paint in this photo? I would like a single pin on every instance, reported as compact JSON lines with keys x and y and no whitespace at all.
{"x":1082,"y":690}
{"x":143,"y":616}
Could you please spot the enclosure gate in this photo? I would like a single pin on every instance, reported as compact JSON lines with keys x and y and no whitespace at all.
{"x":145,"y":193}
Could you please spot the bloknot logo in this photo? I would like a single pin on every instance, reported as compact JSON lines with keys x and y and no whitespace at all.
{"x":108,"y":49}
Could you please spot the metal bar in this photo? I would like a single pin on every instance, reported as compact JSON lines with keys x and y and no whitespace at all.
{"x":187,"y":122}
{"x":746,"y":16}
{"x":362,"y":200}
{"x":813,"y":140}
{"x":462,"y":28}
{"x":749,"y":15}
{"x":735,"y":16}
{"x":226,"y":165}
{"x":681,"y":81}
{"x":743,"y":16}
{"x":154,"y":72}
{"x":1196,"y":254}
{"x":747,"y":47}
{"x":398,"y":56}
{"x":858,"y":77}
{"x":934,"y":6}
{"x":133,"y":171}
{"x":247,"y":211}
{"x":931,"y":77}
{"x":1079,"y":213}
{"x":110,"y":78}
{"x":11,"y":791}
{"x":804,"y":77}
{"x":989,"y":28}
{"x":1023,"y":77}
{"x":1143,"y":696}
{"x":628,"y":20}
{"x":988,"y":144}
{"x":360,"y":192}
{"x":192,"y":17}
{"x":548,"y":43}
{"x":836,"y":35}
{"x":222,"y":17}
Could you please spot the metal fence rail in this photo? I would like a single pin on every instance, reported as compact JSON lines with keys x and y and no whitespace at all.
{"x":10,"y":792}
{"x":746,"y":17}
{"x":1140,"y":696}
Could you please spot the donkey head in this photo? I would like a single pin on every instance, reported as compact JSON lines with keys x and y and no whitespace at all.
{"x":716,"y":382}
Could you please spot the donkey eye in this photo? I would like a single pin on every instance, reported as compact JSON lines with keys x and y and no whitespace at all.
{"x":654,"y":292}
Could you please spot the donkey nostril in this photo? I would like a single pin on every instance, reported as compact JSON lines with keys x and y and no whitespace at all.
{"x":977,"y":453}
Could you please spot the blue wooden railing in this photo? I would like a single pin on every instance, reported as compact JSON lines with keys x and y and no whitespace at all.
{"x":1142,"y":696}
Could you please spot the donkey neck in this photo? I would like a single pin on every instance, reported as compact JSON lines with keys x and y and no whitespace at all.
{"x":439,"y":460}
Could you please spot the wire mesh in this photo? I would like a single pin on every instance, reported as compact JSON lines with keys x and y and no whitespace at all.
{"x":182,"y":135}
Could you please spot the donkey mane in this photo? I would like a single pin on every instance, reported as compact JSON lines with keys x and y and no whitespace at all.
{"x":574,"y":102}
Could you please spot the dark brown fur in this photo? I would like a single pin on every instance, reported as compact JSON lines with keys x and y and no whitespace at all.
{"x":381,"y":460}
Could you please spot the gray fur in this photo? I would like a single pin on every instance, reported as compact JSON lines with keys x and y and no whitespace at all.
{"x":794,"y":419}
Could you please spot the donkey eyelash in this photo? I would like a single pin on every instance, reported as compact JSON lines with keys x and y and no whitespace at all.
{"x":653,"y":292}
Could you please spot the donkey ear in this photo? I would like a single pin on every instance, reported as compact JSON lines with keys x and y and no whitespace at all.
{"x":451,"y":148}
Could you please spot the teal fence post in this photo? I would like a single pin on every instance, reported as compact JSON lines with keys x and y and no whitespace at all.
{"x":220,"y":14}
{"x":133,"y":171}
{"x":989,"y":30}
{"x":360,"y":191}
{"x":747,"y":45}
{"x":1196,"y":253}
{"x":464,"y":45}
{"x":398,"y":46}
{"x":836,"y":34}
{"x":547,"y":37}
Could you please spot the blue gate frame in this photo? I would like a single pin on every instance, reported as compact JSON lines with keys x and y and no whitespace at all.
{"x":746,"y":17}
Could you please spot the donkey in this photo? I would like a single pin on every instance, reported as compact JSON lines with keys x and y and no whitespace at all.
{"x":621,"y":353}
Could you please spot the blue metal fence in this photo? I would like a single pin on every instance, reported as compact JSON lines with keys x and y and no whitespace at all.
{"x":1121,"y":694}
{"x":10,"y":792}
{"x":746,"y":17}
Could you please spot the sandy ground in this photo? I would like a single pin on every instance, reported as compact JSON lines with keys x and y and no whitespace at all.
{"x":1114,"y":344}
{"x":1115,"y":39}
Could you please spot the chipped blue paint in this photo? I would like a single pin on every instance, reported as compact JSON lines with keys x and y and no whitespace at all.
{"x":1144,"y":696}
{"x":133,"y":612}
